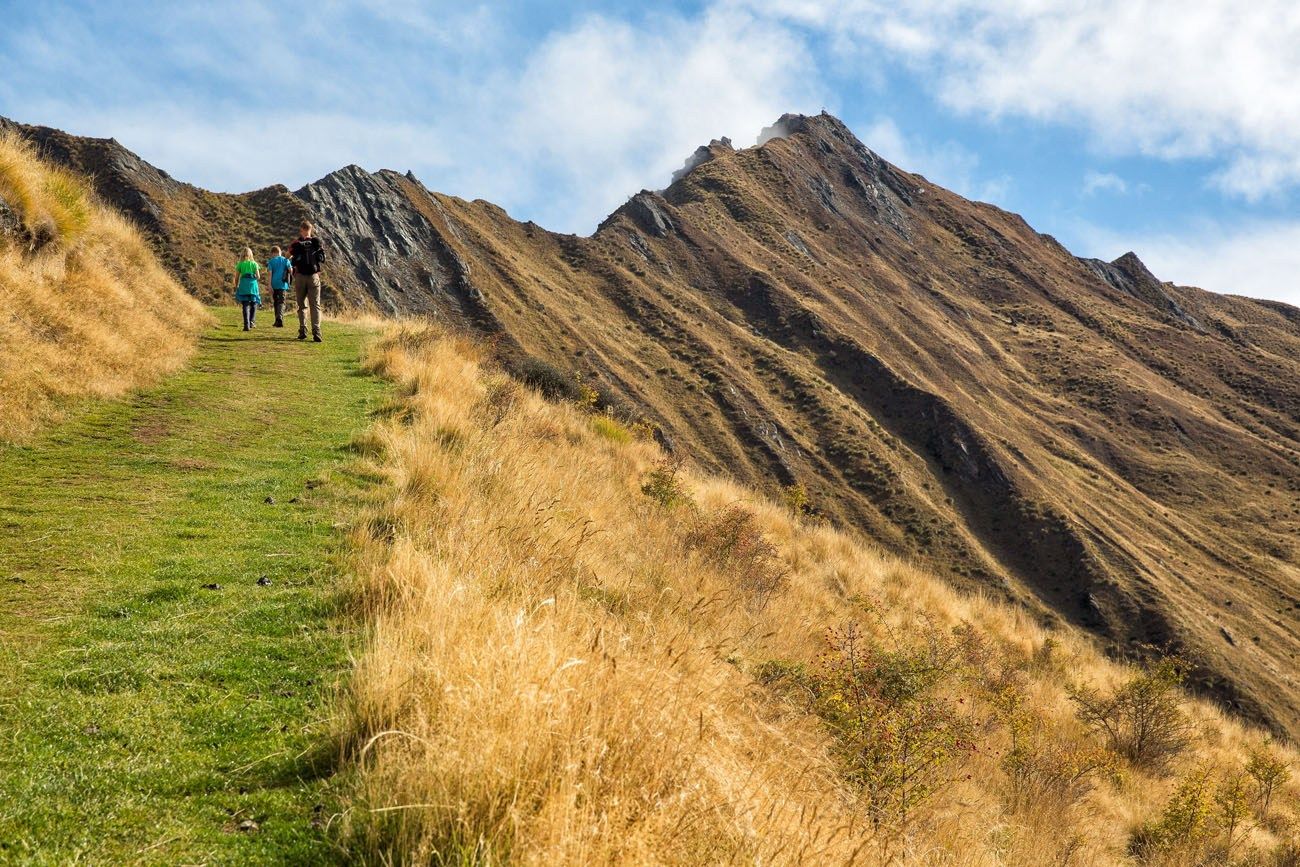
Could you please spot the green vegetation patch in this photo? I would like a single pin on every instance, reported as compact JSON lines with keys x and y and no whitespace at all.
{"x":169,"y":635}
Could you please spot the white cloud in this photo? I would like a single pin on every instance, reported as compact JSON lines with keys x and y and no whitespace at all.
{"x":1166,"y":78}
{"x":561,"y":127}
{"x":1259,"y":259}
{"x":608,"y":107}
{"x":1095,"y":182}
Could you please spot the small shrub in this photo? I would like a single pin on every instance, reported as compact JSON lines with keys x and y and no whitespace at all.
{"x":550,"y":380}
{"x":902,"y":740}
{"x":1268,"y":771}
{"x":795,"y":499}
{"x":1185,"y":828}
{"x":588,"y":398}
{"x":1044,"y":772}
{"x":1045,"y":655}
{"x":611,"y":429}
{"x":1232,"y":804}
{"x":1141,"y":720}
{"x":557,"y":384}
{"x":644,"y":430}
{"x":732,"y":542}
{"x":663,"y":485}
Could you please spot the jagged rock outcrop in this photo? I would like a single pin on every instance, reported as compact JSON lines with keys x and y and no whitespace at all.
{"x":702,"y":155}
{"x":1129,"y":274}
{"x":649,"y":213}
{"x":1113,"y":451}
{"x":390,"y":237}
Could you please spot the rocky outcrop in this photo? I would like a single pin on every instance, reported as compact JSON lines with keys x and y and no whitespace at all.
{"x":121,"y":177}
{"x":1130,"y":275}
{"x":702,"y":155}
{"x":391,"y":239}
{"x":648,"y":212}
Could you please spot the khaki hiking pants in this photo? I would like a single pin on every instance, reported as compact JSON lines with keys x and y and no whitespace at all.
{"x":306,"y":290}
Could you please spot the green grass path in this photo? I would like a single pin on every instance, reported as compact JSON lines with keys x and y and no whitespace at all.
{"x":144,"y":718}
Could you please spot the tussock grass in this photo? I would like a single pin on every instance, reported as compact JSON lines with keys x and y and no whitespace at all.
{"x":562,"y":668}
{"x":85,"y":307}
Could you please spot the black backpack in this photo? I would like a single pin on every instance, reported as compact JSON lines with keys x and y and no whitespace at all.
{"x":308,"y":255}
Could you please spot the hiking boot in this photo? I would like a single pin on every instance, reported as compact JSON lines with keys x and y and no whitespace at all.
{"x":315,"y":338}
{"x":277,"y":324}
{"x":302,"y":333}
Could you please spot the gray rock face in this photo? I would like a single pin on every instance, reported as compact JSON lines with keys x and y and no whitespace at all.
{"x":702,"y":155}
{"x":646,"y":211}
{"x":1131,"y":276}
{"x":392,"y":244}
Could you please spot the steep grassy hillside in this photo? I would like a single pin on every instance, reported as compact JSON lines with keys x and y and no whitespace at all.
{"x":1121,"y":453}
{"x":582,"y":653}
{"x":85,"y":308}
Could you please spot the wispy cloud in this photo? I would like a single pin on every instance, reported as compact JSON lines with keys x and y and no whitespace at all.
{"x":1109,"y":182}
{"x":607,"y":108}
{"x":1213,"y":79}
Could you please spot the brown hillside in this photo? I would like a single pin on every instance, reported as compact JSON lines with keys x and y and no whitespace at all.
{"x":85,"y":308}
{"x":1116,"y":451}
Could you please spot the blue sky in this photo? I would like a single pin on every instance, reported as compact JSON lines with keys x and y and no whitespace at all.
{"x":1170,"y":128}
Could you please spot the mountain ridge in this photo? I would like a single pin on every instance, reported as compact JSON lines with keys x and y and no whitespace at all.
{"x":1069,"y":432}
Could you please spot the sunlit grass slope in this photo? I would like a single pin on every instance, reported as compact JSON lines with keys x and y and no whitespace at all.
{"x":85,"y":307}
{"x":580,"y":653}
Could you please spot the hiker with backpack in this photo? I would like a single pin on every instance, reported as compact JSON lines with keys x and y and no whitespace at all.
{"x":247,"y":293}
{"x":307,"y":256}
{"x":278,"y":267}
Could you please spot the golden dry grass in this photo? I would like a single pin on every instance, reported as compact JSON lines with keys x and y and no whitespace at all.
{"x":553,"y":675}
{"x":85,"y":307}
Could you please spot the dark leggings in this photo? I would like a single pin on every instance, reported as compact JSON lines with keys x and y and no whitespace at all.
{"x":250,"y":312}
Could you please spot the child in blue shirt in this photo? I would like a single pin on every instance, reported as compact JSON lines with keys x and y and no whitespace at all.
{"x":278,"y":266}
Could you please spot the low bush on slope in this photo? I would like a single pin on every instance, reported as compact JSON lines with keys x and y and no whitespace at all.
{"x":581,"y":653}
{"x":85,"y":308}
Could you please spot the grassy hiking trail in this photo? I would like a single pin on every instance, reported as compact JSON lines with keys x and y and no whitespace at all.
{"x":147,"y":716}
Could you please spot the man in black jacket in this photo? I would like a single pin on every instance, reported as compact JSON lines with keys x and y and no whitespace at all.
{"x":307,"y":256}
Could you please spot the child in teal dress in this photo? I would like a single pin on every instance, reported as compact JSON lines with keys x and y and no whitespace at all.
{"x":247,"y":293}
